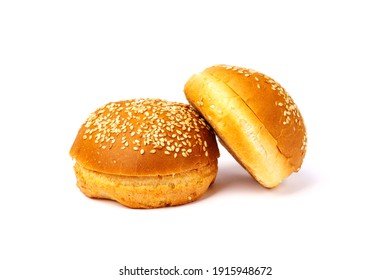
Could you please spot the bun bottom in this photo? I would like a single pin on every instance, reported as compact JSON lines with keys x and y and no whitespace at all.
{"x":147,"y":191}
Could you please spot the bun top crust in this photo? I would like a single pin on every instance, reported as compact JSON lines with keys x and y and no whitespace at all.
{"x":255,"y":119}
{"x":272,"y":105}
{"x":144,"y":137}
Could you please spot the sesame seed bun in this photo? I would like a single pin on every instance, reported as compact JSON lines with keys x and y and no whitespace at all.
{"x":254,"y":118}
{"x":145,"y":153}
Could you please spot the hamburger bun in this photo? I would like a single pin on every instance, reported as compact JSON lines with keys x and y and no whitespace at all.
{"x":145,"y":153}
{"x":254,"y":118}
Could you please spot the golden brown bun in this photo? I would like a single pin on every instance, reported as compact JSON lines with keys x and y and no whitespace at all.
{"x":142,"y":138}
{"x":255,"y":119}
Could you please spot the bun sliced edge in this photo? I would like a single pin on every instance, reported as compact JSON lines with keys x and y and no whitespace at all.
{"x":230,"y":101}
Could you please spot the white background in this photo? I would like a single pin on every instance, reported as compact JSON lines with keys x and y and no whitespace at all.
{"x":60,"y":60}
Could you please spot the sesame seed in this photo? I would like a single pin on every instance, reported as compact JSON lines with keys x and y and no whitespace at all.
{"x":152,"y":122}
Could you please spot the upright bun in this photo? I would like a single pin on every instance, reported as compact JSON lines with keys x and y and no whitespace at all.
{"x":145,"y":153}
{"x":254,"y":118}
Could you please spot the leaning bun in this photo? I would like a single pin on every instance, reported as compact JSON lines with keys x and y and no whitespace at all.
{"x":145,"y":153}
{"x":255,"y":119}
